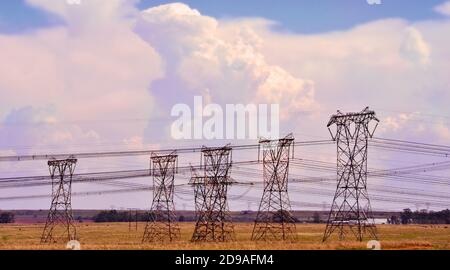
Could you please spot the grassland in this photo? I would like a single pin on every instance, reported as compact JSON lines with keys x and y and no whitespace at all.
{"x":107,"y":236}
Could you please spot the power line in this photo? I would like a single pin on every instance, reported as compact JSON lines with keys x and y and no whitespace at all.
{"x":140,"y":152}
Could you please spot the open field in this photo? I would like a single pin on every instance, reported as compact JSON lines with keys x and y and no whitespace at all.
{"x":117,"y":236}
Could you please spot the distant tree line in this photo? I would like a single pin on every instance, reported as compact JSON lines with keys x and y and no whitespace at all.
{"x":425,"y":217}
{"x":283,"y":216}
{"x":405,"y":217}
{"x":119,"y":216}
{"x":124,"y":216}
{"x":7,"y":217}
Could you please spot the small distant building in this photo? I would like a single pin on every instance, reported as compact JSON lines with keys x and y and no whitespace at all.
{"x":380,"y":221}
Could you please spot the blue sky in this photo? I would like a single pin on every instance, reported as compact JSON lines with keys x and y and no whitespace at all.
{"x":17,"y":16}
{"x":300,"y":16}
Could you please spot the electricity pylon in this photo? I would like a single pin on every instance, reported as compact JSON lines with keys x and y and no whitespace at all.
{"x":162,"y":225}
{"x":351,"y":211}
{"x":274,"y":220}
{"x":213,"y":220}
{"x":60,"y":226}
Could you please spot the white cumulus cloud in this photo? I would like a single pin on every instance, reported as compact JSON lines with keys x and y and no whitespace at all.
{"x":221,"y":61}
{"x":443,"y":8}
{"x":415,"y":47}
{"x":94,"y":71}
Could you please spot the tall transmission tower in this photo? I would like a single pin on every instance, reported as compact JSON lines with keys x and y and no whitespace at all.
{"x":60,"y":225}
{"x":274,"y":220}
{"x":162,"y":225}
{"x":213,"y":220}
{"x":351,"y":212}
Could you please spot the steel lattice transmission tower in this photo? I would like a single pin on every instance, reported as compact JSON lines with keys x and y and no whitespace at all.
{"x":274,"y":220}
{"x":351,"y":211}
{"x":210,"y":190}
{"x":162,"y":225}
{"x":60,"y":225}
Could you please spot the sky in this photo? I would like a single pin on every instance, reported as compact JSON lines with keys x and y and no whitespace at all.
{"x":299,"y":16}
{"x":104,"y":75}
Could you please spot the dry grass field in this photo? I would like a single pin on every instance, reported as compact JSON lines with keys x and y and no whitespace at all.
{"x":106,"y":236}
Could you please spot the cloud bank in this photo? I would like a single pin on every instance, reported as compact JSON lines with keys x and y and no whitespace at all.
{"x":115,"y":71}
{"x":92,"y":72}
